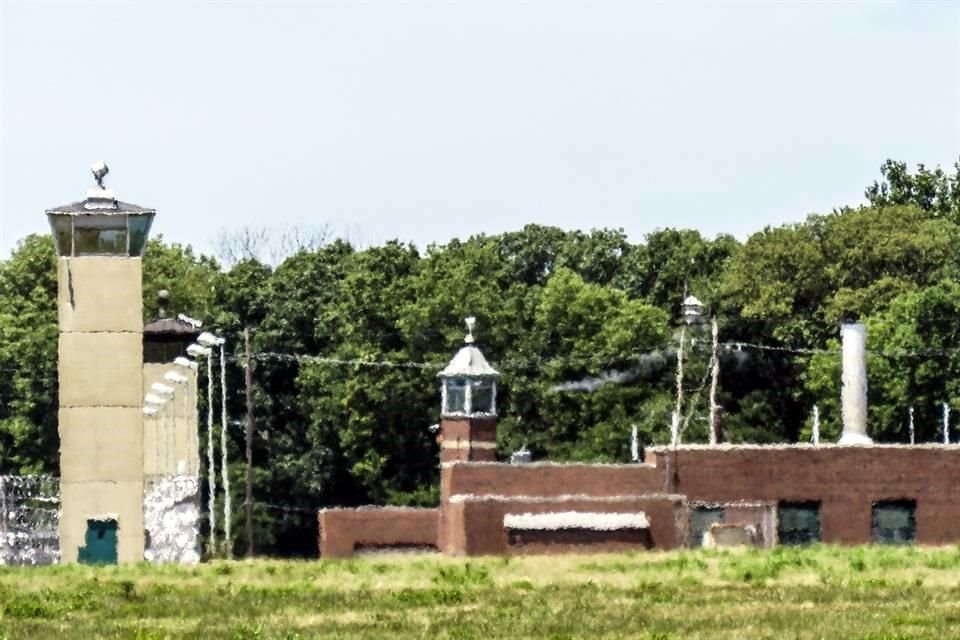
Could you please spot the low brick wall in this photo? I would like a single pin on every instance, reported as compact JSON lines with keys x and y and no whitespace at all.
{"x":747,"y":480}
{"x":549,"y":479}
{"x":343,"y":530}
{"x":473,"y":525}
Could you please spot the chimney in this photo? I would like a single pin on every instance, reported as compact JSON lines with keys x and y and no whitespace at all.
{"x":853,"y":395}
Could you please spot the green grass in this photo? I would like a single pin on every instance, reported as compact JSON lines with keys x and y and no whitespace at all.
{"x":872,"y":593}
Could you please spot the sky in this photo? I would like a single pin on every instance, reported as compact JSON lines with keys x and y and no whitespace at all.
{"x":429,"y":121}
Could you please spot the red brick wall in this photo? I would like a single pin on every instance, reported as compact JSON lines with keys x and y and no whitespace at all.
{"x":546,"y":479}
{"x":341,"y":530}
{"x":475,"y":525}
{"x":468,"y":439}
{"x":847,"y":480}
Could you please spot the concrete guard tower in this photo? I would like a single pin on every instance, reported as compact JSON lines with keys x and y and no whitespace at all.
{"x":468,"y":422}
{"x":100,"y":243}
{"x":170,"y":438}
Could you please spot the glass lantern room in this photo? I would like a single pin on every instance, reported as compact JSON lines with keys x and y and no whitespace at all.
{"x":468,"y":383}
{"x":100,"y":225}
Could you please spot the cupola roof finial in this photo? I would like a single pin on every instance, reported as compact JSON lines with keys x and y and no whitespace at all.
{"x":471,"y":323}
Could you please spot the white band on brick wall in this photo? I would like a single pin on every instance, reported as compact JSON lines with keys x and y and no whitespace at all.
{"x":576,"y":520}
{"x":466,"y":444}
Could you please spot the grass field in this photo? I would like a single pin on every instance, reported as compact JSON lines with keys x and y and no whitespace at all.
{"x":876,"y":593}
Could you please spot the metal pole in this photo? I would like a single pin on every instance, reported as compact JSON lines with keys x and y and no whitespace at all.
{"x":211,"y":471}
{"x":248,"y":376}
{"x":714,"y":375}
{"x":675,"y":421}
{"x":173,"y":433}
{"x":224,"y":469}
{"x":156,"y":444}
{"x":168,"y":408}
{"x":186,"y":425}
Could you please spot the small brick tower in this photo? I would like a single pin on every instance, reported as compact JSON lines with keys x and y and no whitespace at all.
{"x":468,"y":422}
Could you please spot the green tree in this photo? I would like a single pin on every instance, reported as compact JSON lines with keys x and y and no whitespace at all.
{"x":934,"y":191}
{"x":913,"y":361}
{"x":28,"y":358}
{"x":598,"y":352}
{"x":189,"y":278}
{"x":673,"y":260}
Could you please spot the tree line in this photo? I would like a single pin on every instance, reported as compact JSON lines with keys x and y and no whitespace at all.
{"x":583,"y":327}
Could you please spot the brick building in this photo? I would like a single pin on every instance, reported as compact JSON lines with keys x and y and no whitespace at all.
{"x":781,"y":494}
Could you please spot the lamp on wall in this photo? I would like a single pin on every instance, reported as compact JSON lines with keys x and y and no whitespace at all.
{"x":154,"y":404}
{"x":180,"y":379}
{"x":186,"y":363}
{"x":169,"y":393}
{"x":195,"y":351}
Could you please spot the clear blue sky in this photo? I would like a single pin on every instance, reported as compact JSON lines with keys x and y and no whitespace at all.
{"x":428,"y":121}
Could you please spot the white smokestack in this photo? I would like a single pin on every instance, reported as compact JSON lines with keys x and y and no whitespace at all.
{"x":853,"y":395}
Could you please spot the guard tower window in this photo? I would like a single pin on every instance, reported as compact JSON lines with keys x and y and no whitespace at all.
{"x":139,"y":228}
{"x":798,"y":523}
{"x":118,"y":234}
{"x":894,"y":521}
{"x":63,"y":235}
{"x":456,"y":396}
{"x":481,"y":396}
{"x":100,"y":235}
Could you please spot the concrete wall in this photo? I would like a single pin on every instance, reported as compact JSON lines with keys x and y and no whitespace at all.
{"x":100,"y":293}
{"x":847,"y":481}
{"x":342,"y":530}
{"x":101,"y":391}
{"x":165,"y":446}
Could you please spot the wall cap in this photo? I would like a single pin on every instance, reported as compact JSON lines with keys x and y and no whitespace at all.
{"x":489,"y":497}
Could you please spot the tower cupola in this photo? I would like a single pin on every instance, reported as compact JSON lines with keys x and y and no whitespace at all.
{"x":468,"y":382}
{"x":100,"y":225}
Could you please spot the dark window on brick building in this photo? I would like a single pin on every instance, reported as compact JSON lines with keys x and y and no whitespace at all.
{"x":701,"y":519}
{"x":798,"y":522}
{"x":894,"y":521}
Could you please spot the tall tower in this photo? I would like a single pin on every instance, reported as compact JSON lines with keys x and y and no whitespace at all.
{"x":100,"y":243}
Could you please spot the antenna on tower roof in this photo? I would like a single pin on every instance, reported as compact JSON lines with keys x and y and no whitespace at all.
{"x":100,"y":169}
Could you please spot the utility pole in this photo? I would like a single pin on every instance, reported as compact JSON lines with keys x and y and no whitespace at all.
{"x":224,"y":467}
{"x":675,"y":418}
{"x":248,"y":376}
{"x":714,"y":375}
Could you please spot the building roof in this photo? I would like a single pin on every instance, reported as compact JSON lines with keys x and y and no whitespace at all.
{"x":165,"y":326}
{"x":170,"y":327}
{"x":82,"y":208}
{"x":469,"y":362}
{"x":100,"y":202}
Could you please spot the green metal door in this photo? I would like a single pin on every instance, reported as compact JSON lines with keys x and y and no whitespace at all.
{"x":101,"y":543}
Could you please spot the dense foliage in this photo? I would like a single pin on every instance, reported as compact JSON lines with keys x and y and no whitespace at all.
{"x":583,"y":327}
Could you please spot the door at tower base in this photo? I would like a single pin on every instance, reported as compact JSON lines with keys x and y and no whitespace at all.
{"x":100,"y":542}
